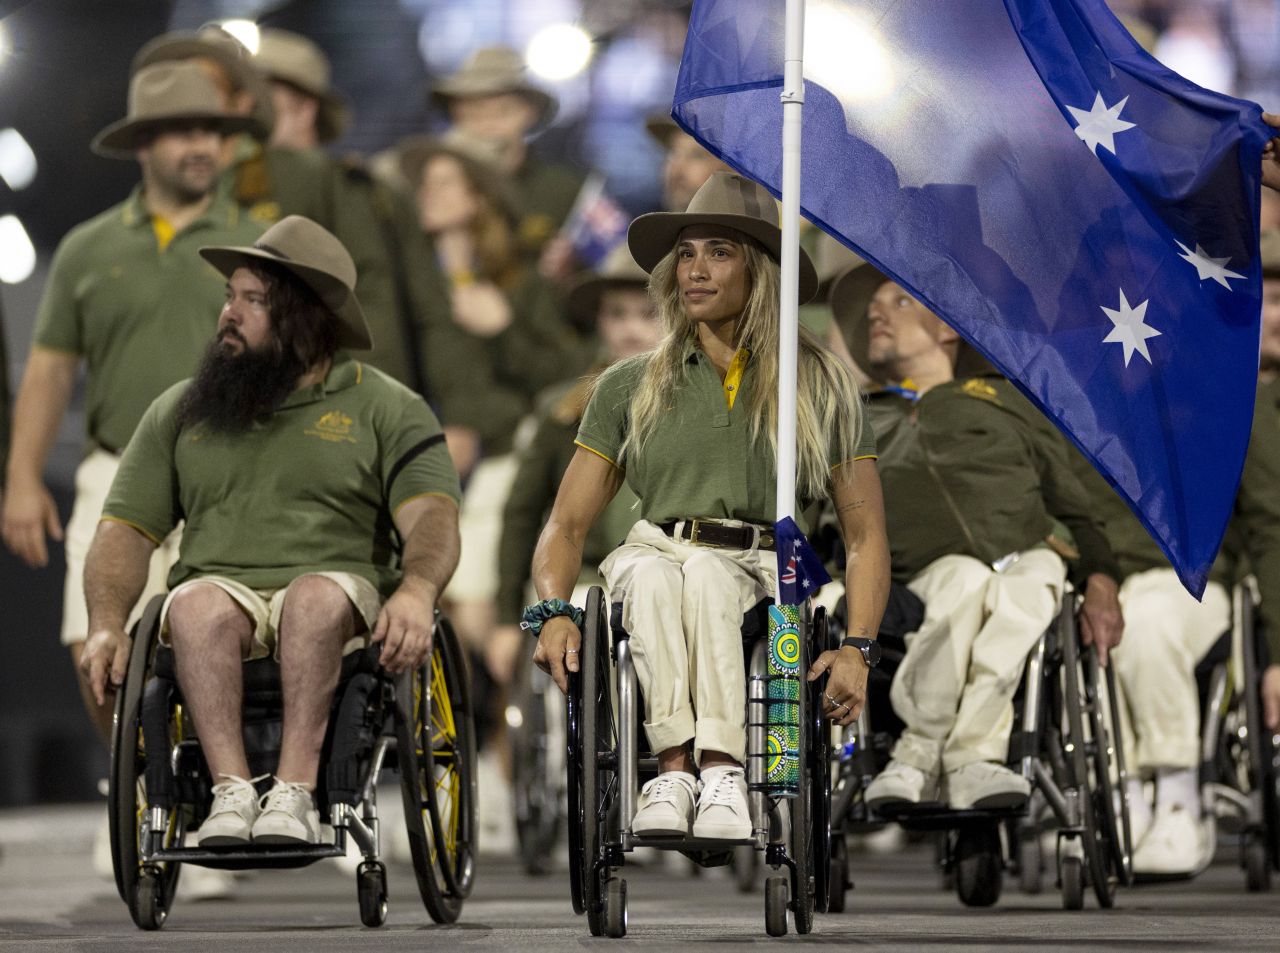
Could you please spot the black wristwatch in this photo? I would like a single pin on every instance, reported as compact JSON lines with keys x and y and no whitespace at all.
{"x":869,"y":648}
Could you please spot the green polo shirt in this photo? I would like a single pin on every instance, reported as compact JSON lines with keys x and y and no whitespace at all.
{"x":546,"y":192}
{"x":312,"y":488}
{"x":139,"y":316}
{"x":702,"y":461}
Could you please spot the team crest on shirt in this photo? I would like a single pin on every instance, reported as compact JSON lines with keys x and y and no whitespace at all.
{"x":335,"y":426}
{"x":977,"y":387}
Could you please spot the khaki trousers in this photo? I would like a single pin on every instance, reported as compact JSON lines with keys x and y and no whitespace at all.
{"x":962,"y":668}
{"x":683,"y":607}
{"x":1166,"y":632}
{"x":93,"y":483}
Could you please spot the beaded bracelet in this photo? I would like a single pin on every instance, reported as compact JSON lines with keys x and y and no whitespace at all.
{"x":538,"y":614}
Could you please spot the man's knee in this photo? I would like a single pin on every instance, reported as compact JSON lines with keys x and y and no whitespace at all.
{"x":203,"y":609}
{"x":316,"y":603}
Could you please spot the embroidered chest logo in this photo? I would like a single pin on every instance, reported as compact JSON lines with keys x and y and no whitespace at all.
{"x":335,"y":426}
{"x":977,"y":387}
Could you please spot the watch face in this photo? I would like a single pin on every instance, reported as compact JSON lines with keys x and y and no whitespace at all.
{"x":873,"y":654}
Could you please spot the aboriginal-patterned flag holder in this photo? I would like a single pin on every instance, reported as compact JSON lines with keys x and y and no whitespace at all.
{"x":778,"y":711}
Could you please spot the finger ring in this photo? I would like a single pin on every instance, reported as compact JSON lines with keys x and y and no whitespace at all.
{"x":829,"y":698}
{"x":845,"y":707}
{"x":570,"y":651}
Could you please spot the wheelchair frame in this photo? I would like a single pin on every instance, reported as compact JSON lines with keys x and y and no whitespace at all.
{"x":605,"y":769}
{"x":424,"y":717}
{"x":1066,"y":745}
{"x":1240,"y":758}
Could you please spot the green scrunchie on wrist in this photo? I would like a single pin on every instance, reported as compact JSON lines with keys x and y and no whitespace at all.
{"x":538,"y":614}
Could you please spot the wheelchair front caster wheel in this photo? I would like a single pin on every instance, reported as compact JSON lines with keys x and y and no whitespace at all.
{"x":978,"y":865}
{"x":615,"y":908}
{"x":1072,"y":874}
{"x":775,"y":906}
{"x":148,"y":906}
{"x":838,"y":879}
{"x":371,"y":890}
{"x":1257,"y":867}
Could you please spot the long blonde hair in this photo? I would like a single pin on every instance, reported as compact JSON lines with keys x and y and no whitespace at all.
{"x":828,"y":402}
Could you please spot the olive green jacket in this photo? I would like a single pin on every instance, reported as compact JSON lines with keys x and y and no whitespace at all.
{"x":401,"y":289}
{"x":545,"y":192}
{"x":973,"y":468}
{"x":542,"y":465}
{"x":490,"y":384}
{"x":1252,"y":540}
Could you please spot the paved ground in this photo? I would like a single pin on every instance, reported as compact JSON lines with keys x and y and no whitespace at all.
{"x":50,"y":900}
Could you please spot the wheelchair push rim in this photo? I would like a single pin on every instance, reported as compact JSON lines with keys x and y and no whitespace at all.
{"x":435,"y":745}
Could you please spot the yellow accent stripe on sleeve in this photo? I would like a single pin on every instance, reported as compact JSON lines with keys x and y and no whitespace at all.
{"x":865,"y":456}
{"x":359,"y":372}
{"x":132,"y":525}
{"x":418,"y":496}
{"x":613,"y":463}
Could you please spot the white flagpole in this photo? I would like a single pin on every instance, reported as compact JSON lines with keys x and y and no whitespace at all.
{"x":789,"y":312}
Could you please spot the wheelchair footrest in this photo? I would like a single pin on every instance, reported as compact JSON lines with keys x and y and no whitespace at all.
{"x":692,"y":843}
{"x":938,"y":816}
{"x":248,"y":857}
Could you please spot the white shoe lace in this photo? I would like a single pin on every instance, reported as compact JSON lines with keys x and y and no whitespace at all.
{"x":288,"y":796}
{"x":662,"y":788}
{"x":236,"y":792}
{"x":723,"y":792}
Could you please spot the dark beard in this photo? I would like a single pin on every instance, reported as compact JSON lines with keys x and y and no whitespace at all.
{"x":230,"y":391}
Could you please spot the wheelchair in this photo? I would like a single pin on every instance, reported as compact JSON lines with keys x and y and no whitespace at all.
{"x":536,"y":726}
{"x":160,"y":787}
{"x":1066,"y":742}
{"x":607,"y":766}
{"x":1240,"y":756}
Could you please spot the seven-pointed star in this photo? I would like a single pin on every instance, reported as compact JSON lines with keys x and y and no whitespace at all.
{"x":1098,"y":126}
{"x":1130,"y":329}
{"x":1207,"y":267}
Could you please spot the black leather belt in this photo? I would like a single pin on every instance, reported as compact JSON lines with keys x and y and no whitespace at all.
{"x":714,"y":533}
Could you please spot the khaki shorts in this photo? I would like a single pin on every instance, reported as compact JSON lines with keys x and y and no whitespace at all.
{"x":93,"y":483}
{"x":265,"y":607}
{"x":480,"y":526}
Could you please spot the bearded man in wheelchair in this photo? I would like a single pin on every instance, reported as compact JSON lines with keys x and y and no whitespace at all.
{"x":320,"y":508}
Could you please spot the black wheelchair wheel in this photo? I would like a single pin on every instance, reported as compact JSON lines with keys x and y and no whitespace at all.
{"x":818,"y":745}
{"x":436,"y":751}
{"x":978,"y":864}
{"x":1263,"y":774}
{"x":1112,"y":793}
{"x":838,"y":879}
{"x":537,"y":782}
{"x":371,"y":893}
{"x":598,"y":749}
{"x":147,"y":889}
{"x":1080,"y":748}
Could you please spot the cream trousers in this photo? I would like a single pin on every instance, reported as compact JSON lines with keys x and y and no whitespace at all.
{"x":93,"y":483}
{"x":955,"y":687}
{"x":1166,"y":632}
{"x":683,"y":607}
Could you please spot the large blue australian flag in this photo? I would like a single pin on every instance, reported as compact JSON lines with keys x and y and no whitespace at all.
{"x":1085,"y":217}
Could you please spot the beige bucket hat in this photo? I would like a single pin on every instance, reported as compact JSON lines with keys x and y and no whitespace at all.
{"x":725,"y":199}
{"x":851,"y":295}
{"x":490,"y":71}
{"x":1269,"y":251}
{"x":216,"y":44}
{"x":163,"y":94}
{"x":478,"y":157}
{"x":317,"y":258}
{"x":661,"y":127}
{"x":294,"y":59}
{"x":618,"y":270}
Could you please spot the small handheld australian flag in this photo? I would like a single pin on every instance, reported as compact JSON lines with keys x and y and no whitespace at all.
{"x":800,"y":570}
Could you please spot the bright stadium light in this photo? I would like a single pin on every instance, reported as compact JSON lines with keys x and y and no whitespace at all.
{"x":246,"y":31}
{"x":17,"y":161}
{"x":559,"y":52}
{"x":17,"y":254}
{"x":843,"y":53}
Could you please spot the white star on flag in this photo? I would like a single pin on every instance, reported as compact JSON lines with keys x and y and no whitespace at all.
{"x":1098,"y":126}
{"x":1207,"y":267}
{"x":1131,"y":331}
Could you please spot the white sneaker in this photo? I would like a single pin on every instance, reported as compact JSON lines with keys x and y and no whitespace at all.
{"x":205,"y":883}
{"x":665,"y":806}
{"x":232,"y":814}
{"x":722,"y":805}
{"x":985,"y":785}
{"x":900,"y":783}
{"x":1171,"y":846}
{"x":289,"y":816}
{"x":103,"y":866}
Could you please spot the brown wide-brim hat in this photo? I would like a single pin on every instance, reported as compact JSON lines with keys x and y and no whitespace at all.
{"x":491,"y":71}
{"x":1269,"y":252}
{"x":216,"y":44}
{"x":164,"y":95}
{"x":290,"y":58}
{"x":725,"y":199}
{"x":661,"y":127}
{"x":319,"y":261}
{"x":478,"y":158}
{"x":851,"y":295}
{"x":619,"y":270}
